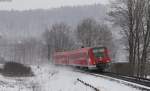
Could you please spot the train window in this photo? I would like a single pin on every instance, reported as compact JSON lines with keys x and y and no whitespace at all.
{"x":98,"y":52}
{"x":78,"y":56}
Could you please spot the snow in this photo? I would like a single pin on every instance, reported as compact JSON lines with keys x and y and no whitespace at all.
{"x":51,"y":78}
{"x":148,"y":77}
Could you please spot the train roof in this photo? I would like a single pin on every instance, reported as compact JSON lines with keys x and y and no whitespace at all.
{"x":72,"y":51}
{"x":76,"y":50}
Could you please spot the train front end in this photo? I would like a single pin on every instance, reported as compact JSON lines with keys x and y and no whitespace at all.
{"x":100,"y":57}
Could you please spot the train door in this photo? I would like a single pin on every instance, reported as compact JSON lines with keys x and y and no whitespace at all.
{"x":91,"y":60}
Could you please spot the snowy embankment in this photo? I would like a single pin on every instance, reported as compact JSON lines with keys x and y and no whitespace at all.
{"x":50,"y":78}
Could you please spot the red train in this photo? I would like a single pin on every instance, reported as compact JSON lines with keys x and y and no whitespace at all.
{"x":91,"y":58}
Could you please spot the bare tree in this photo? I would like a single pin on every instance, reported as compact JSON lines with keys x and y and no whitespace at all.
{"x":131,"y":16}
{"x":28,"y":51}
{"x":57,"y":38}
{"x":90,"y":33}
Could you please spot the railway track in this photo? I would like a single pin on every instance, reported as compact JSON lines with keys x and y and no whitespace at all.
{"x":138,"y":80}
{"x":135,"y":82}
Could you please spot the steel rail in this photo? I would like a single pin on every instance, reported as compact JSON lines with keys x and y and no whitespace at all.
{"x":138,"y":83}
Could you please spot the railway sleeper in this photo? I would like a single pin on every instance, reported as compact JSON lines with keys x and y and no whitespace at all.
{"x":87,"y":84}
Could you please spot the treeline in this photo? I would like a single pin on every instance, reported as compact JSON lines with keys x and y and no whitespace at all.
{"x":57,"y":37}
{"x":24,"y":50}
{"x":88,"y":33}
{"x":133,"y":16}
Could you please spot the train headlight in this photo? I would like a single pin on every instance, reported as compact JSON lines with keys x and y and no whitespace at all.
{"x":107,"y":60}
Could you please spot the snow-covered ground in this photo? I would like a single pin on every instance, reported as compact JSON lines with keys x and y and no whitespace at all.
{"x":50,"y":78}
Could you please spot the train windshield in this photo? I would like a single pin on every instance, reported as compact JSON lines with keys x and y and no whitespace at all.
{"x":98,"y":52}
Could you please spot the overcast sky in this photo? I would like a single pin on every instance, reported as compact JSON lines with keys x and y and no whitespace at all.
{"x":44,"y":4}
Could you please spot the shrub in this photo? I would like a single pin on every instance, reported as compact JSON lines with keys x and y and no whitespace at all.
{"x":16,"y":69}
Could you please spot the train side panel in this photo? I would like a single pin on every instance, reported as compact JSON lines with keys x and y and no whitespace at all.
{"x":92,"y":58}
{"x":78,"y":59}
{"x":61,"y":59}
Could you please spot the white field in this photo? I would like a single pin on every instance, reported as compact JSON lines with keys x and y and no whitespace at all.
{"x":50,"y":78}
